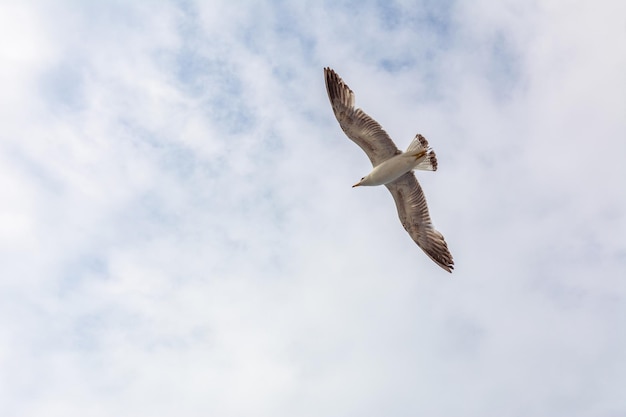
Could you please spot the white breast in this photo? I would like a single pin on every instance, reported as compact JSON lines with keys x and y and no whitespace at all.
{"x":391,"y":169}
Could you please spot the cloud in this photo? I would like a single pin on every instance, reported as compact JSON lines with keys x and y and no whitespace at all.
{"x":178,"y":232}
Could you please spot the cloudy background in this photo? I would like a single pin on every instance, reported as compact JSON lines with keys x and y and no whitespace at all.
{"x":178,"y":235}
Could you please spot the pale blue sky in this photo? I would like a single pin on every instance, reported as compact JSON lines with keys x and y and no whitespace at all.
{"x":178,"y":234}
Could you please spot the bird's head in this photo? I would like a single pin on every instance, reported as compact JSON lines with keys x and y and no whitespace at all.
{"x":361,"y":182}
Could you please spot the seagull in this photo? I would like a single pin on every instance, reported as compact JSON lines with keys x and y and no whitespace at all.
{"x":392,"y":167}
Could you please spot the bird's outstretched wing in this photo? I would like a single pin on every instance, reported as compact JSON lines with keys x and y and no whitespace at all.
{"x":357,"y":125}
{"x":413,"y":213}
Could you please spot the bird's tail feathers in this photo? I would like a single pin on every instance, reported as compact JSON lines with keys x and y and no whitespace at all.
{"x":418,"y":148}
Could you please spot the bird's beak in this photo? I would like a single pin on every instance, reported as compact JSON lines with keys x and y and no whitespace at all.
{"x":357,"y":184}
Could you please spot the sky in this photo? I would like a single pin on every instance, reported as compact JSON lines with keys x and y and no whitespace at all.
{"x":179,"y":235}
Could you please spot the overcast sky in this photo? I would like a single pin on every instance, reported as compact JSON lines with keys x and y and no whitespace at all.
{"x":178,"y":234}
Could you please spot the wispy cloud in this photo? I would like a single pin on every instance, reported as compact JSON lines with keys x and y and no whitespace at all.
{"x":178,"y":233}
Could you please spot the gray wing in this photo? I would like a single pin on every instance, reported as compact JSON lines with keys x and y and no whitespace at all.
{"x":413,"y":213}
{"x":358,"y":126}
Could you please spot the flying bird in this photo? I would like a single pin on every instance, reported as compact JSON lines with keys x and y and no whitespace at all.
{"x":392,"y":167}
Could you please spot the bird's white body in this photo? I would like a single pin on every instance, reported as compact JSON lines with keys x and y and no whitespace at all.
{"x":417,"y":156}
{"x":390,"y":170}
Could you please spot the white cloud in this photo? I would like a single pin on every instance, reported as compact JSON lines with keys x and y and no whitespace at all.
{"x":178,"y":233}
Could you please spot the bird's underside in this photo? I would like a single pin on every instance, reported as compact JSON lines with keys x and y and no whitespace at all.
{"x":406,"y":191}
